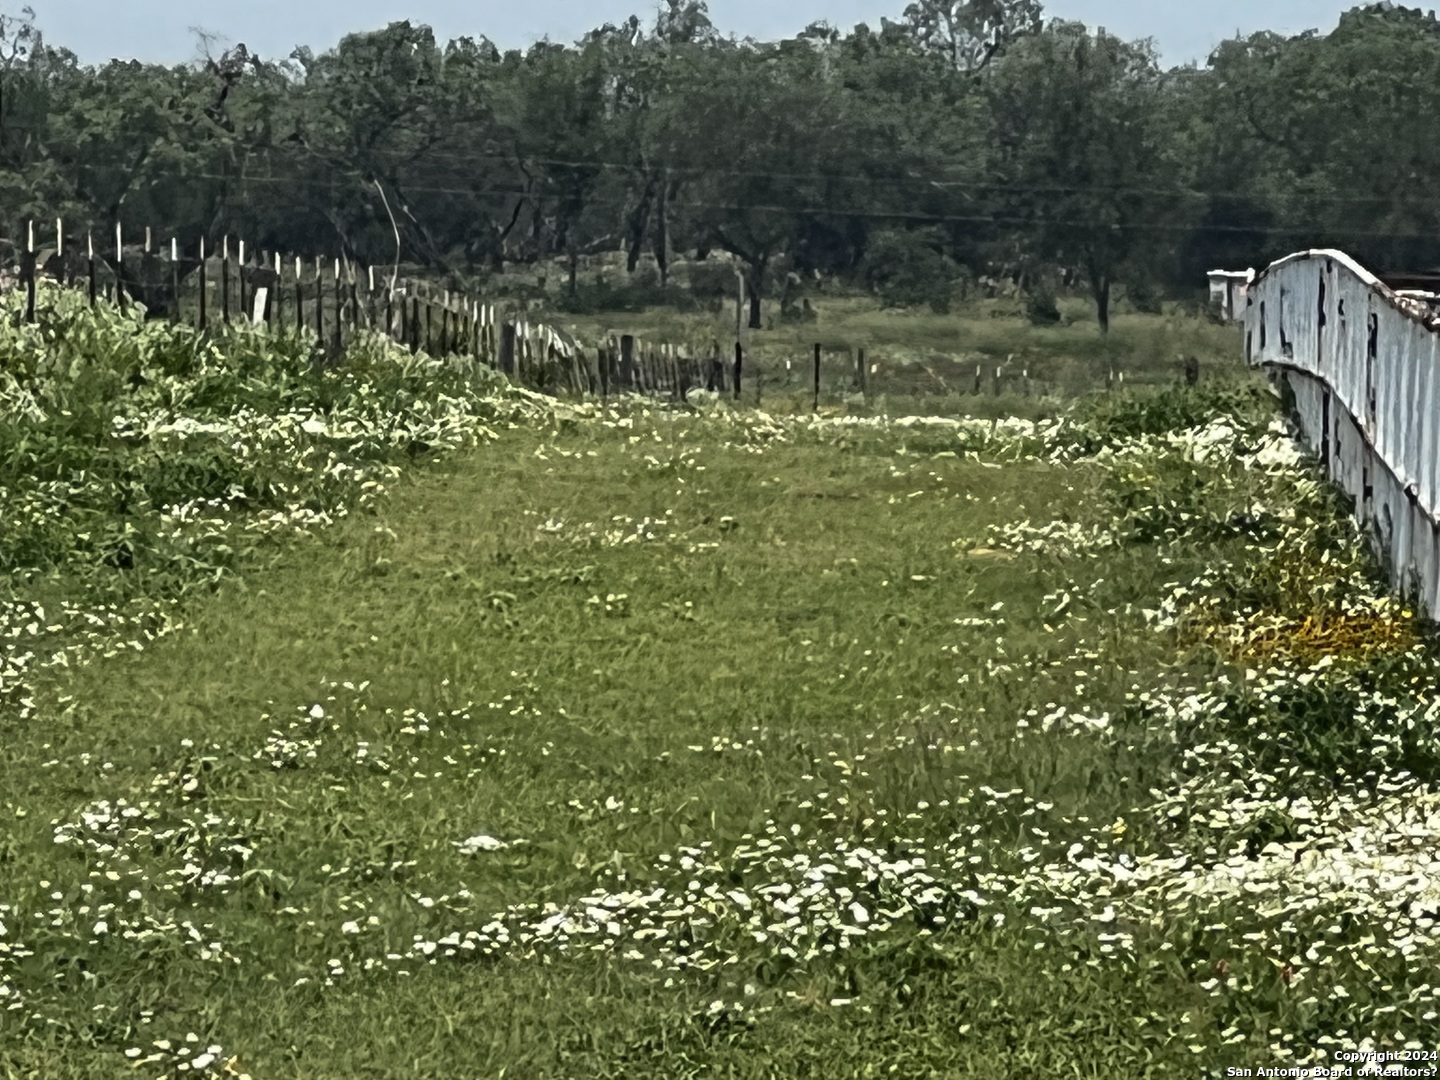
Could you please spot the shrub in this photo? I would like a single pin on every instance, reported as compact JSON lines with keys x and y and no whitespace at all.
{"x":646,"y":276}
{"x":599,"y":297}
{"x":1176,"y":408}
{"x":711,"y":281}
{"x":1041,"y":307}
{"x":905,"y":268}
{"x":1144,"y":297}
{"x":144,"y":457}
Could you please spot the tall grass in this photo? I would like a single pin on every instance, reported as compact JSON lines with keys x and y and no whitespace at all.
{"x":648,"y":742}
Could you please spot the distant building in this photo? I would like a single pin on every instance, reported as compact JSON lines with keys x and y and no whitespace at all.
{"x":1227,"y":291}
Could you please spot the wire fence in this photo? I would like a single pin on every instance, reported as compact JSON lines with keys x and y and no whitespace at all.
{"x":336,"y":300}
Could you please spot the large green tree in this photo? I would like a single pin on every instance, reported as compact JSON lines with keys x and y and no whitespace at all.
{"x":1346,"y":129}
{"x":968,"y":34}
{"x":1079,"y":149}
{"x":959,"y":128}
{"x":772,"y":154}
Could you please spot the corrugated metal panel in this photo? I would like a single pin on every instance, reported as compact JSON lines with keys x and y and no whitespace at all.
{"x":1422,"y":464}
{"x":1227,"y":291}
{"x":1361,"y":361}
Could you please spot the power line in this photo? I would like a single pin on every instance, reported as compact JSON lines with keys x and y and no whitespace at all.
{"x":1143,"y":227}
{"x":480,"y":160}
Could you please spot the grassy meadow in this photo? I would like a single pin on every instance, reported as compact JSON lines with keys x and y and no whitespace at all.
{"x":916,"y":360}
{"x":388,"y":721}
{"x":919,"y":361}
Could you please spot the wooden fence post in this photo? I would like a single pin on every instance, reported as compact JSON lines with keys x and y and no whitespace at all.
{"x":339,"y":313}
{"x":739,"y":360}
{"x":353,"y":288}
{"x":240,"y":281}
{"x":414,"y":304}
{"x":277,"y":310}
{"x":144,"y":261}
{"x":860,"y":378}
{"x":225,"y":280}
{"x":319,"y":303}
{"x":204,"y":289}
{"x":627,"y":362}
{"x":816,"y":406}
{"x":27,"y":272}
{"x":175,"y":274}
{"x":507,"y":348}
{"x":370,"y":312}
{"x":119,"y":268}
{"x":90,"y":265}
{"x":299,"y":299}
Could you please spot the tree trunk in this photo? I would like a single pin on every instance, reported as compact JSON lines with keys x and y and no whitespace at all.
{"x":662,"y":235}
{"x":537,"y":233}
{"x":639,"y":220}
{"x":1100,"y":286}
{"x":753,"y":282}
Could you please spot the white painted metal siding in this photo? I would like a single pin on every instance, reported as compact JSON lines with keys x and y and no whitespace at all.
{"x":1227,"y":291}
{"x":1310,"y":319}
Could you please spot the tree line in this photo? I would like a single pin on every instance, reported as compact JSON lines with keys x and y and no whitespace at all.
{"x":963,"y":139}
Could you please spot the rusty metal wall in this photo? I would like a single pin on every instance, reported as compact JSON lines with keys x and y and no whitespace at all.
{"x":1361,"y":363}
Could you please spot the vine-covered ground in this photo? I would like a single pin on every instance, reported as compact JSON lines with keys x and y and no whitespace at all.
{"x":658,"y":742}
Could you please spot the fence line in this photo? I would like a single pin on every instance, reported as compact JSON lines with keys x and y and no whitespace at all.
{"x":338,"y":300}
{"x":1358,"y":362}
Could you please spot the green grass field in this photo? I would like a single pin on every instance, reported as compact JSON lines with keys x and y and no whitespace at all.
{"x":649,"y":743}
{"x":925,"y":362}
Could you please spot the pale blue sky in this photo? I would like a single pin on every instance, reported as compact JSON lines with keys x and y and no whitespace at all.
{"x":159,"y":30}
